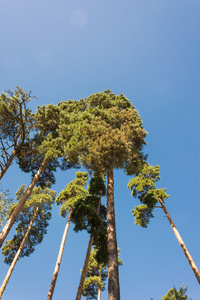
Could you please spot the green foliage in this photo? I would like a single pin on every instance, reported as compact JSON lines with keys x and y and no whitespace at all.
{"x":85,"y":216}
{"x":73,"y":192}
{"x":173,"y":294}
{"x":44,"y":144}
{"x":93,"y":281}
{"x":142,"y":214}
{"x":106,"y":133}
{"x":39,"y":197}
{"x":5,"y":202}
{"x":96,"y":275}
{"x":143,"y":188}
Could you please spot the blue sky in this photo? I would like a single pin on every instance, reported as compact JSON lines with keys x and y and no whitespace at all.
{"x":149,"y":51}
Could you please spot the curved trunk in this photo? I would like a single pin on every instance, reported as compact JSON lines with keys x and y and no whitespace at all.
{"x":85,"y":267}
{"x":99,"y":288}
{"x":5,"y":282}
{"x":113,"y":273}
{"x":21,"y":203}
{"x":186,"y":252}
{"x":17,"y":147}
{"x":58,"y":262}
{"x":8,"y":163}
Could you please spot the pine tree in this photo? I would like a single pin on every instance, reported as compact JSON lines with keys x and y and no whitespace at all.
{"x":39,"y":155}
{"x":32,"y":223}
{"x":86,"y":216}
{"x":143,"y":187}
{"x":107,"y":134}
{"x":173,"y":294}
{"x":96,"y":276}
{"x":68,"y":197}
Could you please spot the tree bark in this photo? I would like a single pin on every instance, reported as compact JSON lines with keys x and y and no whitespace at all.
{"x":99,"y":288}
{"x":186,"y":252}
{"x":5,"y":282}
{"x":113,"y":273}
{"x":21,"y":203}
{"x":85,"y":267}
{"x":58,"y":262}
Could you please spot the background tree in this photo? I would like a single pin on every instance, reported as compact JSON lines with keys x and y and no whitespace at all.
{"x":96,"y":276}
{"x":173,"y":294}
{"x":89,"y":214}
{"x":39,"y":155}
{"x":32,"y":223}
{"x":68,"y":197}
{"x":143,"y":187}
{"x":107,"y":134}
{"x":16,"y":122}
{"x":5,"y":202}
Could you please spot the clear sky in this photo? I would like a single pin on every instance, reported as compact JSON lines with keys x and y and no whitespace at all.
{"x":149,"y":51}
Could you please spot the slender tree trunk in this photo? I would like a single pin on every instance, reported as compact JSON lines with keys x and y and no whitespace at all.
{"x":17,"y":148}
{"x":7,"y":164}
{"x":4,"y":284}
{"x":186,"y":252}
{"x":113,"y":273}
{"x":58,"y":262}
{"x":21,"y":203}
{"x":99,"y":288}
{"x":85,"y":267}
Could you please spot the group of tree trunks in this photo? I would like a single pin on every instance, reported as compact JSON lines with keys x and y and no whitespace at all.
{"x":100,"y":133}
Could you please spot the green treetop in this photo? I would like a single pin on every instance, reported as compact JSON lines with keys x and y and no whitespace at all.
{"x":143,"y":187}
{"x":173,"y":294}
{"x":107,"y":133}
{"x":72,"y":193}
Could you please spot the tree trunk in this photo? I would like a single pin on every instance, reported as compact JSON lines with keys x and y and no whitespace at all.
{"x":4,"y":284}
{"x":21,"y":203}
{"x":58,"y":262}
{"x":85,"y":267}
{"x":7,"y":165}
{"x":187,"y":254}
{"x":113,"y":273}
{"x":99,"y":288}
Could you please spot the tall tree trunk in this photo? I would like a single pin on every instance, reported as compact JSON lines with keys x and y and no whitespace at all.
{"x":85,"y":267}
{"x":113,"y":273}
{"x":58,"y":262}
{"x":7,"y":164}
{"x":186,"y":252}
{"x":99,"y":287}
{"x":21,"y":203}
{"x":5,"y":282}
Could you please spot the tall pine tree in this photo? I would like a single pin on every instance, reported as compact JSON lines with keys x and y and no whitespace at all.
{"x":107,"y":134}
{"x":143,"y":187}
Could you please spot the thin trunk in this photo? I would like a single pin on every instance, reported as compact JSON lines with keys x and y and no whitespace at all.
{"x":7,"y":164}
{"x":99,"y":288}
{"x":85,"y":267}
{"x":4,"y":284}
{"x":186,"y":252}
{"x":58,"y":262}
{"x":21,"y":203}
{"x":16,"y":149}
{"x":113,"y":273}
